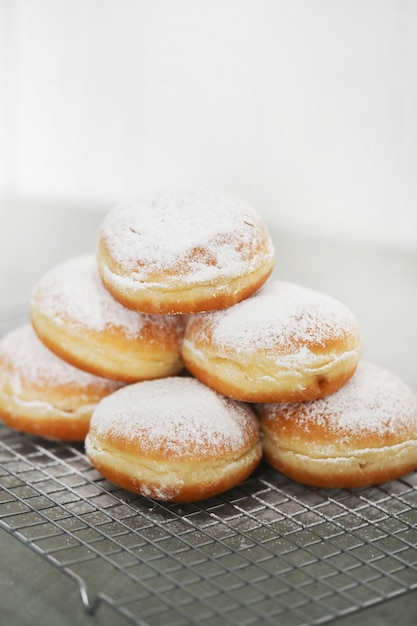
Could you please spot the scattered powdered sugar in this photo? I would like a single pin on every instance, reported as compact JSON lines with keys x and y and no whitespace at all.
{"x":281,"y":314}
{"x":73,"y":290}
{"x":177,"y":414}
{"x":373,"y":401}
{"x":30,"y":362}
{"x":196,"y":235}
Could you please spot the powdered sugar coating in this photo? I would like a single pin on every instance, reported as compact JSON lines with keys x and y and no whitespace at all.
{"x":73,"y":290}
{"x":177,"y":415}
{"x":195,"y":236}
{"x":374,"y":401}
{"x":281,"y":318}
{"x":26,"y":362}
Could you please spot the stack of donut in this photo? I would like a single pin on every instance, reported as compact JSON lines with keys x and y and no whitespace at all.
{"x":181,"y":363}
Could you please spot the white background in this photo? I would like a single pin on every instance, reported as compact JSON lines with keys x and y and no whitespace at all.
{"x":306,"y":108}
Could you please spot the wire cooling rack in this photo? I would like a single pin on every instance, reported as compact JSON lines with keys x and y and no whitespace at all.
{"x":268,"y":551}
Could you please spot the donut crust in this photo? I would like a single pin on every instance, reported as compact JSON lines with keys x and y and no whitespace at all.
{"x":103,"y":338}
{"x":189,"y":481}
{"x":263,"y":378}
{"x":60,"y":413}
{"x":356,"y":468}
{"x":274,"y":366}
{"x":167,"y":296}
{"x":183,"y":462}
{"x":340,"y":441}
{"x":50,"y":405}
{"x":183,"y":253}
{"x":110,"y":353}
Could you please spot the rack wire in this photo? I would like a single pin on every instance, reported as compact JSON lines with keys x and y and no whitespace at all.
{"x":268,"y":551}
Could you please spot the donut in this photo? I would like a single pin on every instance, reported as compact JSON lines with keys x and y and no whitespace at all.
{"x":173,"y":439}
{"x":364,"y":434}
{"x":184,"y":252}
{"x":43,"y":395}
{"x":76,"y":317}
{"x":287,"y":343}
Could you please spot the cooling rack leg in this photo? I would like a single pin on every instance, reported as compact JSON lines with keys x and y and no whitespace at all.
{"x":89,"y":605}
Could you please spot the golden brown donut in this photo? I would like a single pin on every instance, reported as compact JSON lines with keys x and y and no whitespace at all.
{"x":286,"y":343}
{"x":173,"y":439}
{"x":364,"y":434}
{"x":183,"y":252}
{"x":43,"y":395}
{"x":77,"y":318}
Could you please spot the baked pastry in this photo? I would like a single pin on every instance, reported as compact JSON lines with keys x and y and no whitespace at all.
{"x":173,"y":439}
{"x":183,"y":252}
{"x":364,"y":434}
{"x":43,"y":395}
{"x":77,"y":318}
{"x":286,"y":343}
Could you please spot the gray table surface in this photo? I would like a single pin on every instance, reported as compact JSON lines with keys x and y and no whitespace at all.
{"x":379,"y":284}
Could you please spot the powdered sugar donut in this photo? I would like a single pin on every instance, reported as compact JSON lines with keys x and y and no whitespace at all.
{"x":77,"y":318}
{"x":364,"y":434}
{"x":286,"y":343}
{"x":43,"y":395}
{"x":173,"y":439}
{"x":183,"y":252}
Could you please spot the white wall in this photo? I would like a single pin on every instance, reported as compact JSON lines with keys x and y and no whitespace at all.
{"x":307,"y":108}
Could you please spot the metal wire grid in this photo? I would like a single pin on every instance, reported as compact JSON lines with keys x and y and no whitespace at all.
{"x":268,"y":549}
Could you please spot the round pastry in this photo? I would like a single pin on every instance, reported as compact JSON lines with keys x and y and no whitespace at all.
{"x":364,"y":434}
{"x":76,"y":317}
{"x":183,"y":253}
{"x":43,"y":395}
{"x":173,"y":439}
{"x":286,"y":343}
